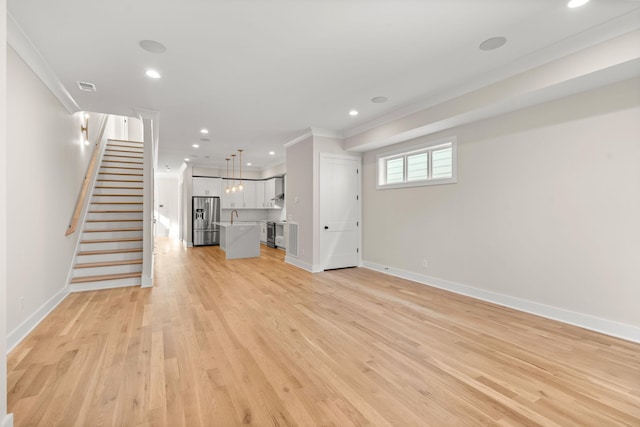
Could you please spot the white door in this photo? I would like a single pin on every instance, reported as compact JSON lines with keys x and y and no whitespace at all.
{"x":339,"y":211}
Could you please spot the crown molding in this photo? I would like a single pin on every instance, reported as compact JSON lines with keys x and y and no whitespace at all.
{"x":299,"y":139}
{"x":23,"y":46}
{"x":314,"y":131}
{"x":325,"y":133}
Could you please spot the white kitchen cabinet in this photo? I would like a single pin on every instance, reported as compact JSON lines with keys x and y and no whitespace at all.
{"x":245,"y":199}
{"x":260,"y":200}
{"x":263,"y":231}
{"x":233,"y":200}
{"x":206,"y":187}
{"x":270,"y":193}
{"x":249,"y":195}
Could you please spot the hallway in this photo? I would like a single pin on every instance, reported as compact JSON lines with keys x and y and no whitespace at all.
{"x":259,"y":342}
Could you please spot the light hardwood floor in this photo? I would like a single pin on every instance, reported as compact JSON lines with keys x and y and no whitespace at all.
{"x":258,"y":342}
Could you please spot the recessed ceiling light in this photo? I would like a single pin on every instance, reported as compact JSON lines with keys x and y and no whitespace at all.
{"x":187,"y":159}
{"x":353,"y":113}
{"x":576,"y":3}
{"x":153,"y":74}
{"x":204,"y":131}
{"x":379,"y":99}
{"x":195,"y":146}
{"x":152,"y":46}
{"x":248,"y":163}
{"x":493,"y":43}
{"x":272,"y":153}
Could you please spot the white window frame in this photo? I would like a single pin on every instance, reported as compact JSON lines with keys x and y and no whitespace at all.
{"x":417,"y":149}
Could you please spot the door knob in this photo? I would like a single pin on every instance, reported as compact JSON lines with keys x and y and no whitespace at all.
{"x":326,"y":227}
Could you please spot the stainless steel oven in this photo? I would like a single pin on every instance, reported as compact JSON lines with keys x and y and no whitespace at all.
{"x":271,"y":234}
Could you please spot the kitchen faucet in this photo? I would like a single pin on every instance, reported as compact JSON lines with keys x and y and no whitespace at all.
{"x":232,"y":215}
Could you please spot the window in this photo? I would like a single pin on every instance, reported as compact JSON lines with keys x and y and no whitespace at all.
{"x":426,"y":164}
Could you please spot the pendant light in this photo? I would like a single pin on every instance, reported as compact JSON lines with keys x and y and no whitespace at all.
{"x":233,"y":172}
{"x":240,"y":187}
{"x":227,"y":190}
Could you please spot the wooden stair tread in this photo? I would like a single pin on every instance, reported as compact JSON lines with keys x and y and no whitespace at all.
{"x":108,"y":263}
{"x":121,"y":167}
{"x":124,"y":157}
{"x":111,"y":230}
{"x":109,"y":251}
{"x":111,"y":211}
{"x":116,"y":203}
{"x":111,"y":144}
{"x":104,"y":277}
{"x":126,"y":140}
{"x":118,"y":180}
{"x":120,"y":174}
{"x":114,"y":220}
{"x":123,"y":239}
{"x":124,"y":151}
{"x":114,"y":187}
{"x":123,"y":161}
{"x":117,"y":195}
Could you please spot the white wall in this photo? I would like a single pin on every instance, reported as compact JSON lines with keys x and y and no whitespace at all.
{"x":167,"y":206}
{"x":546,"y":208}
{"x":299,"y":196}
{"x":4,"y":421}
{"x":47,"y":163}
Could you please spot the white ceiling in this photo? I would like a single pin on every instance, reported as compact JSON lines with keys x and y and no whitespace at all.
{"x":259,"y":73}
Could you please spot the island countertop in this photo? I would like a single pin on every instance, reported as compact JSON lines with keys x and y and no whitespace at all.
{"x":240,"y":239}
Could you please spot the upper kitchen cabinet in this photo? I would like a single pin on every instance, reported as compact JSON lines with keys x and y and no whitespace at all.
{"x":274,"y":193}
{"x":245,"y":199}
{"x":270,"y":192}
{"x":260,"y":194}
{"x":207,"y":187}
{"x":260,"y":200}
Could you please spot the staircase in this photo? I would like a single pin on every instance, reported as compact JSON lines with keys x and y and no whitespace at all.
{"x":110,"y":250}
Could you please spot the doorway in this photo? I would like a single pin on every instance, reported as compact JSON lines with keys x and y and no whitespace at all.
{"x":339,"y":211}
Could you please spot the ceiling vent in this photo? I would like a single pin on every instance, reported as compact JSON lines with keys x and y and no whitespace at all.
{"x":87,"y":87}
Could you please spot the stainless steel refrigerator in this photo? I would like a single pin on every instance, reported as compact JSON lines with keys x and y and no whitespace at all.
{"x":206,"y":212}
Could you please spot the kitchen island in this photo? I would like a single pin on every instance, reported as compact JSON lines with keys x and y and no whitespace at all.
{"x":240,"y":239}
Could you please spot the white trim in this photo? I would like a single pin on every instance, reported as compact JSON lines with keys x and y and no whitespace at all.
{"x":303,"y":265}
{"x":425,"y":146}
{"x":187,"y":244}
{"x":8,"y":421}
{"x":147,"y":282}
{"x":99,"y":286}
{"x":313,"y":131}
{"x":299,"y":139}
{"x":325,"y":133}
{"x":19,"y":333}
{"x":597,"y":324}
{"x":34,"y":59}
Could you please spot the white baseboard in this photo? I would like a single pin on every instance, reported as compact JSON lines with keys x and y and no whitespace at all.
{"x":19,"y":333}
{"x":8,"y":421}
{"x":608,"y":327}
{"x":303,"y":265}
{"x":187,"y":244}
{"x":147,"y":282}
